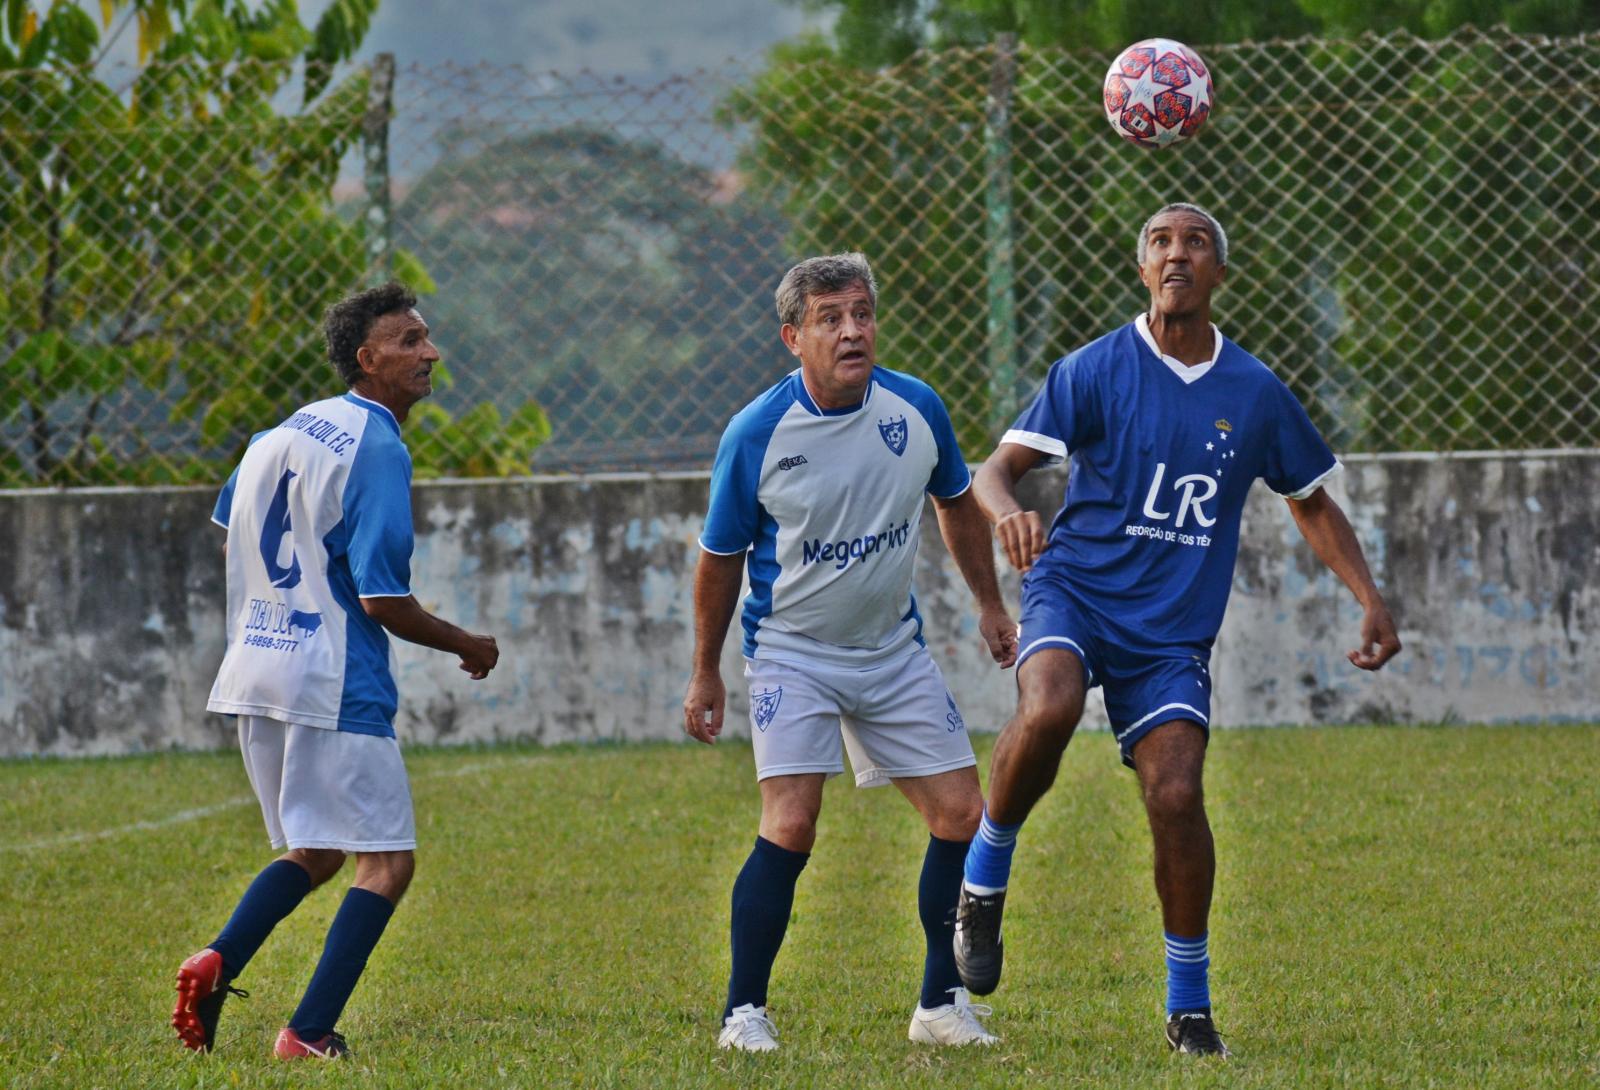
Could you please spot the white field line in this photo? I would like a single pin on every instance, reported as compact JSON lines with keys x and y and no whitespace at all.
{"x":67,"y":840}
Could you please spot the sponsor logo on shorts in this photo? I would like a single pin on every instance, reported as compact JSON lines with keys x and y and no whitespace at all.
{"x":764,"y":706}
{"x":954,"y":718}
{"x":792,"y":461}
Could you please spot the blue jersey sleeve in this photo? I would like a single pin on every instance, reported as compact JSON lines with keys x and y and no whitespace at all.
{"x":377,"y":518}
{"x":223,"y":511}
{"x":950,"y":474}
{"x":1298,"y":459}
{"x":1064,"y":415}
{"x":734,"y":511}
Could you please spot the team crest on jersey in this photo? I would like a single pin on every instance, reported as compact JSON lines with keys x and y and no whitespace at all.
{"x":1223,"y":425}
{"x":894,"y":434}
{"x":764,"y":706}
{"x":954,"y":718}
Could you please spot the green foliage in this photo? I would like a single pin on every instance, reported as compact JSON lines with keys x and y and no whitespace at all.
{"x":870,"y":33}
{"x":533,"y":237}
{"x":1385,"y":198}
{"x":168,"y":250}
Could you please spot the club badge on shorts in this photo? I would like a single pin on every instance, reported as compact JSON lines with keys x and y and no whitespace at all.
{"x":764,"y":706}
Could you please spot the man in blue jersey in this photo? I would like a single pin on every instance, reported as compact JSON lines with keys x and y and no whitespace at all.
{"x":318,"y":515}
{"x":818,"y":488}
{"x":1168,"y":423}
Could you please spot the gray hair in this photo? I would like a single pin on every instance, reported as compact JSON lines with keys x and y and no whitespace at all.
{"x":1219,"y":237}
{"x":821,"y":276}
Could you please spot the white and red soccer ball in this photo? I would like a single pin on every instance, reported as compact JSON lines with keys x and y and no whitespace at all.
{"x":1158,"y":92}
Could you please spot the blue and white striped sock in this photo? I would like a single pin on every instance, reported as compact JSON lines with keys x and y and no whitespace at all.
{"x":1188,"y":963}
{"x":988,"y":866}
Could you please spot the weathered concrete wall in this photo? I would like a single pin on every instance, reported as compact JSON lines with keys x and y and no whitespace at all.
{"x":110,"y":608}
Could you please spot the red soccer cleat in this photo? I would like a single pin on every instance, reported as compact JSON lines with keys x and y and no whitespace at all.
{"x":291,"y":1046}
{"x":201,"y":993}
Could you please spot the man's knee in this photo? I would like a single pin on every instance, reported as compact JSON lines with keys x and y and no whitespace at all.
{"x":957,"y":818}
{"x":320,"y":863}
{"x":1174,"y":797}
{"x":1049,"y":708}
{"x":791,"y":827}
{"x":387,"y":874}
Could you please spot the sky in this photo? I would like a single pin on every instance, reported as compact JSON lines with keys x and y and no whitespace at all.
{"x":627,"y":37}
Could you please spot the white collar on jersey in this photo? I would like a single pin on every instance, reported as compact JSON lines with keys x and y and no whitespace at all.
{"x":1183,"y":370}
{"x":376,"y":405}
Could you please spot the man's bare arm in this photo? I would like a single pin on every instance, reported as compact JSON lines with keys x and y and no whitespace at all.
{"x":1021,"y":532}
{"x":716,"y":594}
{"x":1323,"y":524}
{"x":966,"y":535}
{"x":406,"y":618}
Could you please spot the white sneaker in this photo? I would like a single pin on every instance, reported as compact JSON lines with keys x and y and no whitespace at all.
{"x":952,"y":1024}
{"x":748,"y":1029}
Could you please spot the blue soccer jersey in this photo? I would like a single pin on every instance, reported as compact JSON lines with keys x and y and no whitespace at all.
{"x":1162,"y":459}
{"x":829,"y":502}
{"x":318,"y":515}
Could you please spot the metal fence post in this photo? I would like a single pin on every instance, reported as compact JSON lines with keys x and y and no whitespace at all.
{"x":375,"y":169}
{"x":1002,"y":326}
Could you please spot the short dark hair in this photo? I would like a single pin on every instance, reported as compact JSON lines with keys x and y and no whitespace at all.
{"x":347,"y":323}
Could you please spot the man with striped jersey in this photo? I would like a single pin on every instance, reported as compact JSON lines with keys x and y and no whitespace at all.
{"x":1168,"y":423}
{"x":318,"y":515}
{"x":818,"y":490}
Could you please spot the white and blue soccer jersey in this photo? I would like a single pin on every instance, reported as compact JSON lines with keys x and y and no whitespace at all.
{"x":318,"y":515}
{"x":1162,"y":459}
{"x":829,"y":502}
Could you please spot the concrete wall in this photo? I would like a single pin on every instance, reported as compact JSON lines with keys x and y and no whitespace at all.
{"x":110,"y":608}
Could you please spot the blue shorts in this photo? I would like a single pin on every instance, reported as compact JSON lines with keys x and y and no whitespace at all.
{"x":1145,"y":686}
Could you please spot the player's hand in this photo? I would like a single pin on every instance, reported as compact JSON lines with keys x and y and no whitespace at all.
{"x":703,"y":706}
{"x":480,"y":656}
{"x":1021,"y":535}
{"x":999,"y":632}
{"x":1379,"y":641}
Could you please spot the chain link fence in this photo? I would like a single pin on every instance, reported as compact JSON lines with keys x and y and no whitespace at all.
{"x":1414,"y":227}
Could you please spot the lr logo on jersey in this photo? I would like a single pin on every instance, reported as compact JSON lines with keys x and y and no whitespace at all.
{"x":274,"y":528}
{"x":1193,"y":488}
{"x":894,"y":434}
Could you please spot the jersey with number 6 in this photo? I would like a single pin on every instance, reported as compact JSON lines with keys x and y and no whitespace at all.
{"x":318,"y":515}
{"x":1163,"y":456}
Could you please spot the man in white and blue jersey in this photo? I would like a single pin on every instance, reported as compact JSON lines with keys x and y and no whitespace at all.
{"x":818,"y":489}
{"x":1168,"y":424}
{"x":318,"y":515}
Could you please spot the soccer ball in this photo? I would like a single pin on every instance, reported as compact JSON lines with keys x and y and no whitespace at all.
{"x":1158,"y":92}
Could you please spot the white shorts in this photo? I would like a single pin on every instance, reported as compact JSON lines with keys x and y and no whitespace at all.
{"x":897,"y":720}
{"x":323,"y":788}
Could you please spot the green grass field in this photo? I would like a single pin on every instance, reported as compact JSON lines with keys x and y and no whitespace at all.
{"x":1397,"y":907}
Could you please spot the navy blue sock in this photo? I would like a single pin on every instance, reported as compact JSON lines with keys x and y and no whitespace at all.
{"x":763,"y":896}
{"x":937,"y":895}
{"x":275,"y":893}
{"x":356,"y":929}
{"x":1188,"y":962}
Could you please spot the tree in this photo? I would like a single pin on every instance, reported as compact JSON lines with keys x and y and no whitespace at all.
{"x":611,"y":277}
{"x":873,"y":33}
{"x":167,"y":248}
{"x":1388,"y":198}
